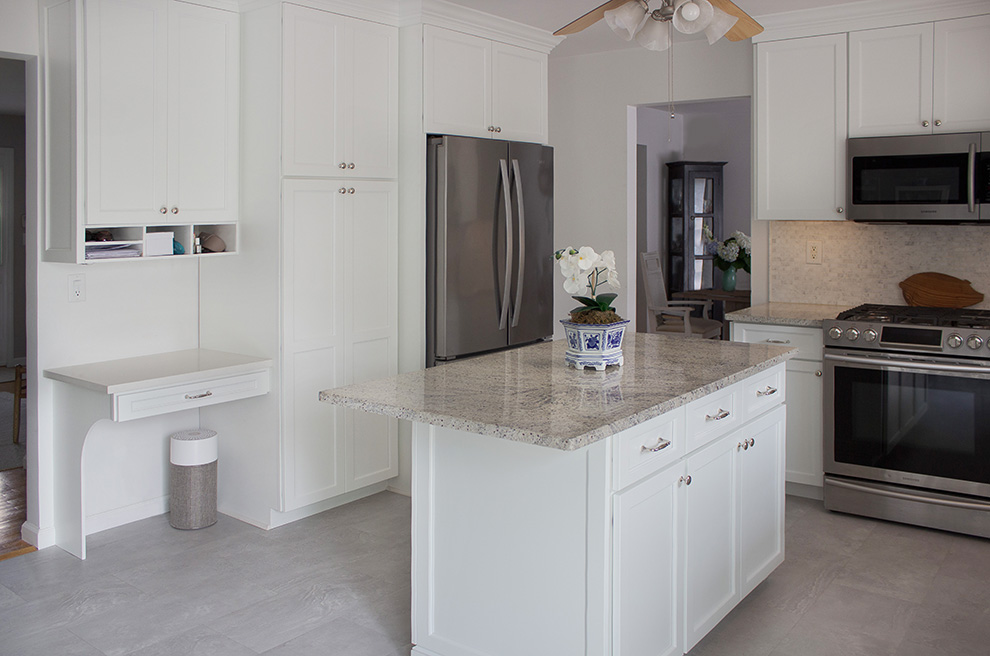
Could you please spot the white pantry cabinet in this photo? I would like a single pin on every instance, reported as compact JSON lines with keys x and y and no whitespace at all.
{"x":481,"y":88}
{"x":801,"y":128}
{"x":141,"y":123}
{"x":918,"y":79}
{"x":340,"y":99}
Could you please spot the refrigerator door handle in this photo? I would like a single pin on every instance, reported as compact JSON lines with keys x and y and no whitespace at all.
{"x":517,"y":308}
{"x":506,"y":292}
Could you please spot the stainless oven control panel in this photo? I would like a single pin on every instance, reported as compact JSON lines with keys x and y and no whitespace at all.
{"x":955,"y":340}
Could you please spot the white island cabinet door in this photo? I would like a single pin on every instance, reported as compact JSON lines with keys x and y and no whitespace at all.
{"x":711,"y":586}
{"x":313,"y":293}
{"x":312,"y":121}
{"x":203,"y":114}
{"x":457,"y":83}
{"x":126,"y":105}
{"x":890,"y":81}
{"x":370,"y":311}
{"x":519,"y":93}
{"x":962,"y":87}
{"x":801,"y":128}
{"x":761,"y":498}
{"x":371,"y":145}
{"x":645,"y":556}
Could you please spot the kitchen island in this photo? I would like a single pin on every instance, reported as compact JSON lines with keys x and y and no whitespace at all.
{"x":563,"y":511}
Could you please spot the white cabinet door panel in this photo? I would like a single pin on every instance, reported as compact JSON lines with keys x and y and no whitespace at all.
{"x":645,"y":576}
{"x":519,"y":93}
{"x":761,"y":499}
{"x":372,"y":104}
{"x":801,"y":128}
{"x":203,"y":114}
{"x":372,"y":440}
{"x":126,"y":124}
{"x":457,"y":83}
{"x":890,"y":81}
{"x":804,"y":422}
{"x":312,"y":141}
{"x":962,"y":87}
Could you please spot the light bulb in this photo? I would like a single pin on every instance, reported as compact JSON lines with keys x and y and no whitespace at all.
{"x":690,"y":11}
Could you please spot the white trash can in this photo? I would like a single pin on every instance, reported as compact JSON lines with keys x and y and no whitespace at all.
{"x":193,"y":479}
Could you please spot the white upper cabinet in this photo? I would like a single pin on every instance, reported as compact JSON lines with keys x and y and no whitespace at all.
{"x":482,"y":88}
{"x":340,"y":96}
{"x":801,"y":128}
{"x":961,"y":86}
{"x":919,"y":79}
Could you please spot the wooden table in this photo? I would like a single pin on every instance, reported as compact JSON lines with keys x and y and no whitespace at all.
{"x":724,"y":302}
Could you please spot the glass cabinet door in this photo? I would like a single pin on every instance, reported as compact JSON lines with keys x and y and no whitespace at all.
{"x":694,"y":209}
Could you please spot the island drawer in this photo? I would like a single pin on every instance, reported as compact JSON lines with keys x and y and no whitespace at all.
{"x":135,"y":405}
{"x":642,"y":450}
{"x":713,"y":416}
{"x":808,"y":341}
{"x":763,"y":391}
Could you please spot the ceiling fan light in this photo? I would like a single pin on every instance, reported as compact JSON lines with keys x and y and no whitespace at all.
{"x":627,"y":19}
{"x":654,"y":36}
{"x":686,"y":9}
{"x":721,"y":23}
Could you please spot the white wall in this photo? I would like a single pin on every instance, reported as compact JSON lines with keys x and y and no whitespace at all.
{"x":589,"y":99}
{"x":18,"y":27}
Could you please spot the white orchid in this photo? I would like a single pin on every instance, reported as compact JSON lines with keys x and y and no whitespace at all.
{"x":575,"y":282}
{"x":583,"y":268}
{"x":586,"y":257}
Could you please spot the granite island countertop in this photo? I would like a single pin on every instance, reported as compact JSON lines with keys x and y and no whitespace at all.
{"x":529,"y":395}
{"x":810,"y":315}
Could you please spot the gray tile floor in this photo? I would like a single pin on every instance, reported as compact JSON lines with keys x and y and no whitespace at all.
{"x":338,"y":584}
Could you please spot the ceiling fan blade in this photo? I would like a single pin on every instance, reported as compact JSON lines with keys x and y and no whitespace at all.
{"x":745,"y":27}
{"x":589,"y":19}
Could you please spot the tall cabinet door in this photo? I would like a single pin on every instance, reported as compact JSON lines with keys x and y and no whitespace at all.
{"x":371,"y":108}
{"x":801,"y":128}
{"x":519,"y":93}
{"x":370,"y":309}
{"x":962,"y":92}
{"x":457,"y":83}
{"x":312,"y":102}
{"x":314,"y":295}
{"x":202,"y":114}
{"x":126,"y":105}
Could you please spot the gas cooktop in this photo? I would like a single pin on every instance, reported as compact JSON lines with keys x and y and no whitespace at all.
{"x":918,"y":316}
{"x":961,"y":332}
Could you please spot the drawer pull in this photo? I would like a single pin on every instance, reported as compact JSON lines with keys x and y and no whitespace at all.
{"x":192,"y":397}
{"x":721,"y":414}
{"x":769,"y":391}
{"x":778,"y":341}
{"x":661,"y":445}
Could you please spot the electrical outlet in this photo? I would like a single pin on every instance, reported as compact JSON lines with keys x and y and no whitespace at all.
{"x":814,"y":253}
{"x":77,"y":288}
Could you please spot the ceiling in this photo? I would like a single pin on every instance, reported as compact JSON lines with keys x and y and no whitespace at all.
{"x":551,"y":15}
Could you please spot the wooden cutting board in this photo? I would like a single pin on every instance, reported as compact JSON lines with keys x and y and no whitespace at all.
{"x":931,"y":289}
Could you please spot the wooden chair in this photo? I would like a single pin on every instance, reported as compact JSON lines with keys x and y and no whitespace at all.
{"x":20,"y":392}
{"x":673,"y":317}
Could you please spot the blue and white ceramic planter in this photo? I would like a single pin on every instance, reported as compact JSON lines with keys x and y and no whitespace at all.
{"x":594,"y":345}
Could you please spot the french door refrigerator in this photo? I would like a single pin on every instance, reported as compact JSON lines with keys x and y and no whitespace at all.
{"x":490,"y":247}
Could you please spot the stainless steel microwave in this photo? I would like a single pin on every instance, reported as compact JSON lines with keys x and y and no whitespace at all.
{"x":943,"y":178}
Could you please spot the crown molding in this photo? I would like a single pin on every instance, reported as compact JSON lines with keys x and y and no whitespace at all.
{"x":445,"y":14}
{"x":869,"y":14}
{"x":385,"y":12}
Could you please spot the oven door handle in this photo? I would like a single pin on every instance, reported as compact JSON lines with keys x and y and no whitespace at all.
{"x":907,"y":364}
{"x":937,"y":501}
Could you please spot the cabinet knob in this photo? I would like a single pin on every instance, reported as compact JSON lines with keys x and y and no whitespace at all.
{"x":685,"y":479}
{"x":342,"y":190}
{"x":498,"y":129}
{"x":491,"y":128}
{"x":744,"y":445}
{"x":351,"y":190}
{"x":342,"y":165}
{"x":175,"y":210}
{"x":839,"y":210}
{"x":819,"y":373}
{"x":925,"y":124}
{"x":752,"y":441}
{"x":938,"y":123}
{"x":351,"y":165}
{"x":164,"y":210}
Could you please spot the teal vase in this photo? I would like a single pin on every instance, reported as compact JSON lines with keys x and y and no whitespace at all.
{"x":729,"y":279}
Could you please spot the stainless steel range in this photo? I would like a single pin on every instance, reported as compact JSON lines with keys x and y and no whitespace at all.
{"x":907,"y":415}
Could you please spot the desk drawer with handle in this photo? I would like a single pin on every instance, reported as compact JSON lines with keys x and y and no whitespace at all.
{"x":135,"y":405}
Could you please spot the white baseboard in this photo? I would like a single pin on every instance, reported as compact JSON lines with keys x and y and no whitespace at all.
{"x":282,"y":518}
{"x":399,"y":490}
{"x":42,"y":538}
{"x":120,"y":516}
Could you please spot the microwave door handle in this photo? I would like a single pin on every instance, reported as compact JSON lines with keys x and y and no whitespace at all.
{"x":517,"y":179}
{"x":971,"y":178}
{"x":507,"y":197}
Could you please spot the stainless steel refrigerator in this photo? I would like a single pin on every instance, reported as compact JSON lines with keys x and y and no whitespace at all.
{"x":489,"y":246}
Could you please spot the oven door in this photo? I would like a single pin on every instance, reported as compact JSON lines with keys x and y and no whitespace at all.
{"x":921,"y":179}
{"x":907,"y":419}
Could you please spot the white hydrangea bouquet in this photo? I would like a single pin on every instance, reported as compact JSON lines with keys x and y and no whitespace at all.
{"x":584,"y":269}
{"x":733,"y":253}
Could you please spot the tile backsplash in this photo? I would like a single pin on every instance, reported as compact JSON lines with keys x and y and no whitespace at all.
{"x":864,"y":263}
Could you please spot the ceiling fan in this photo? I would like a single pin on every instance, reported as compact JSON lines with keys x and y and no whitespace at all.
{"x":629,"y":18}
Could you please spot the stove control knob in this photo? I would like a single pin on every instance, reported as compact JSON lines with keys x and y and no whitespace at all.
{"x":870,"y":335}
{"x":974,"y":342}
{"x":835,"y":332}
{"x":954,"y":340}
{"x":852,"y":334}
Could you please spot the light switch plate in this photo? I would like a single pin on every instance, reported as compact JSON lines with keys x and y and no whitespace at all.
{"x":77,"y":288}
{"x":814,"y":254}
